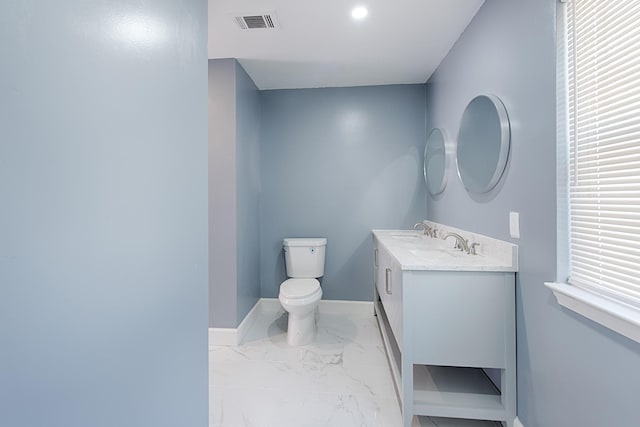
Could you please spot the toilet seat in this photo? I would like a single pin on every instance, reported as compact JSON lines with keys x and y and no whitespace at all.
{"x":299,"y":288}
{"x":299,"y":292}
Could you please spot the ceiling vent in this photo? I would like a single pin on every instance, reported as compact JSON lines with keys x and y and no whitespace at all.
{"x":257,"y":21}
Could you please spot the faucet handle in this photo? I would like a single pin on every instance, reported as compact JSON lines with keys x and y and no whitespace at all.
{"x":428,"y":230}
{"x":472,"y":248}
{"x":456,"y":244}
{"x":460,"y":242}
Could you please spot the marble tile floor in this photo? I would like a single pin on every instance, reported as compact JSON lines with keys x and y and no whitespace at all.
{"x":341,"y":380}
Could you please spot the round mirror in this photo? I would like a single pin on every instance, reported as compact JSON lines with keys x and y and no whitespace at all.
{"x":436,"y":162}
{"x":483,"y":143}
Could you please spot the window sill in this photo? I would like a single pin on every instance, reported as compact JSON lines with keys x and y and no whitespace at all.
{"x":616,"y":316}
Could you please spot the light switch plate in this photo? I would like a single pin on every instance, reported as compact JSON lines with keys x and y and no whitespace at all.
{"x":514,"y":224}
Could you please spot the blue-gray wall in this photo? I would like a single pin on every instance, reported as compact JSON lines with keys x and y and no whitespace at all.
{"x":248,"y":193}
{"x":222,"y":193}
{"x":571,"y":371}
{"x":337,"y":163}
{"x":234,"y":193}
{"x":103,"y":225}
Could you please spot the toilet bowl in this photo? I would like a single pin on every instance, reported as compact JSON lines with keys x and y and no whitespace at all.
{"x":300,"y":298}
{"x":300,"y":293}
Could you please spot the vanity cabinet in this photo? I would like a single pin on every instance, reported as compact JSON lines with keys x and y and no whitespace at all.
{"x":443,"y":330}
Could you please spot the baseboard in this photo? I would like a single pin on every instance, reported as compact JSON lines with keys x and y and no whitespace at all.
{"x":234,"y":336}
{"x":517,"y":423}
{"x":325,"y":306}
{"x":248,"y":321}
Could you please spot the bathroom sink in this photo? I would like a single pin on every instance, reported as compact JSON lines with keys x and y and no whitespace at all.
{"x":435,"y":252}
{"x":416,"y":251}
{"x":409,"y":237}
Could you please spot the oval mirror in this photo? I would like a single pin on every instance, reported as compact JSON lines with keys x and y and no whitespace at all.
{"x":483,"y":143}
{"x":436,"y":162}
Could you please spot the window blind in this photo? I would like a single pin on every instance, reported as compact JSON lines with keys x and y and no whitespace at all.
{"x":603,"y":123}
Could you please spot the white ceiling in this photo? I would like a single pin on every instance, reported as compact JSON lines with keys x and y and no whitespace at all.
{"x":318,"y":44}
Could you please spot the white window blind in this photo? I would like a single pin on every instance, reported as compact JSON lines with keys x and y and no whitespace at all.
{"x":603,"y":123}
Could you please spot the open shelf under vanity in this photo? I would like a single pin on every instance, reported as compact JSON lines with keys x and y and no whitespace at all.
{"x":443,"y":391}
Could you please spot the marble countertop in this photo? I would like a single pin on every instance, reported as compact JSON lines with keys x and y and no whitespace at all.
{"x":415,"y":251}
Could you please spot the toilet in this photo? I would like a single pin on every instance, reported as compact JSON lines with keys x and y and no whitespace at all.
{"x":301,"y":292}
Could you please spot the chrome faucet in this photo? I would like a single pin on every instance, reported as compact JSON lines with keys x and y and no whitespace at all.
{"x":461,"y":242}
{"x":417,"y":225}
{"x":428,"y":230}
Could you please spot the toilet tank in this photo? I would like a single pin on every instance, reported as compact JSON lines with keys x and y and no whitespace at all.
{"x":304,"y":258}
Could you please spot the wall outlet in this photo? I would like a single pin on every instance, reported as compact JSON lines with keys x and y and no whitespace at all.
{"x":514,"y":224}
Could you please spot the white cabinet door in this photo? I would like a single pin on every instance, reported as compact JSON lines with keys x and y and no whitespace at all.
{"x":377,"y":268}
{"x":393,"y":288}
{"x":388,"y":279}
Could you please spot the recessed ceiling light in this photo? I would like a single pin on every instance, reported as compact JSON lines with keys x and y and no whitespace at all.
{"x":359,"y":12}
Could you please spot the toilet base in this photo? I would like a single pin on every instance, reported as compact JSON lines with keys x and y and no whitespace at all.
{"x":301,"y":328}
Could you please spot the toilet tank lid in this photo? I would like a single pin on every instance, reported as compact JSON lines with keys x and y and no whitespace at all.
{"x":311,"y":241}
